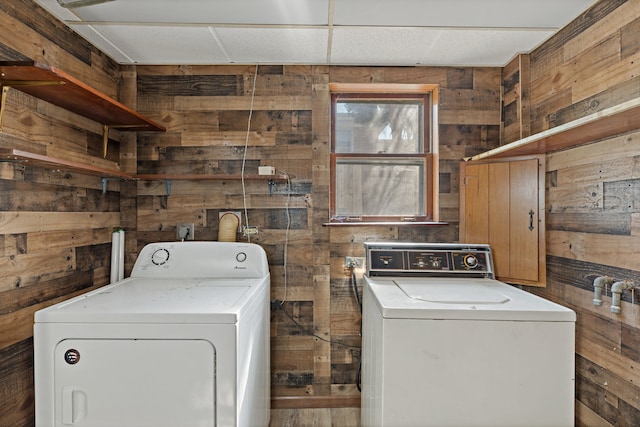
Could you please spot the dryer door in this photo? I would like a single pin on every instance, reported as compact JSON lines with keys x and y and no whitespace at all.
{"x":125,"y":382}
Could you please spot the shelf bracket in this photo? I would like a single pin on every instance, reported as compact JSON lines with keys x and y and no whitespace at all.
{"x":272,"y":185}
{"x":104,"y":183}
{"x":105,"y":135}
{"x":6,"y":84}
{"x":5,"y":90}
{"x":167,"y":186}
{"x":105,"y":140}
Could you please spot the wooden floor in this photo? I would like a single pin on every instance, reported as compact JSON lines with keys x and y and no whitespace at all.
{"x":316,"y":417}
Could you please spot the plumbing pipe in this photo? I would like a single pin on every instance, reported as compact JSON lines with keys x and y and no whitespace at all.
{"x":616,"y":292}
{"x":116,"y":239}
{"x":598,"y":285}
{"x":121,"y":255}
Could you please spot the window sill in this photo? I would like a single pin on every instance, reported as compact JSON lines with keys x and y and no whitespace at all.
{"x":385,"y":223}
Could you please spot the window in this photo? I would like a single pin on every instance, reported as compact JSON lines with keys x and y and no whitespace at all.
{"x":384,"y":153}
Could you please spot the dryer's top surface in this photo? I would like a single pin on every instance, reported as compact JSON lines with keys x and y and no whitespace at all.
{"x":153,"y":300}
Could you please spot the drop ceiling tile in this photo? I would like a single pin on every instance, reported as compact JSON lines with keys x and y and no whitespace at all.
{"x":274,"y":45}
{"x":483,"y":47}
{"x":427,"y":46}
{"x":158,"y":44}
{"x":459,"y":13}
{"x":271,"y":12}
{"x":363,"y":32}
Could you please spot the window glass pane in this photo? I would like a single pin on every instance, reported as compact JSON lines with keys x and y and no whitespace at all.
{"x":379,"y":127}
{"x":380,"y":188}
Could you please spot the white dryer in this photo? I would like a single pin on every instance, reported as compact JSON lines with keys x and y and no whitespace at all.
{"x":184,"y":341}
{"x":444,"y":344}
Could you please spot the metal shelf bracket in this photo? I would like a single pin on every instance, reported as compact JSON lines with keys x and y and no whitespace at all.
{"x":6,"y":84}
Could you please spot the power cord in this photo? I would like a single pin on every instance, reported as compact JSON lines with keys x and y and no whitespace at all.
{"x":355,"y":289}
{"x":244,"y":155}
{"x":286,"y":236}
{"x":359,"y":301}
{"x":277,"y":304}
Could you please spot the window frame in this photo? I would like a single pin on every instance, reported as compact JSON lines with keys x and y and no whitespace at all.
{"x":429,"y":94}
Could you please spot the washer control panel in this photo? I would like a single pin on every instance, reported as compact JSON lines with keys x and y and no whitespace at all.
{"x":428,"y":259}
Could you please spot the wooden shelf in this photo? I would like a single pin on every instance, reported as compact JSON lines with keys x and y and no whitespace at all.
{"x":58,"y":88}
{"x":20,"y":156}
{"x":208,"y":177}
{"x":54,"y":86}
{"x":607,"y":123}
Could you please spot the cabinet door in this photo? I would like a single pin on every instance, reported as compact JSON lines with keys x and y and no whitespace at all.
{"x":499,"y":217}
{"x":476,"y":199}
{"x":502,"y":204}
{"x":523,"y":221}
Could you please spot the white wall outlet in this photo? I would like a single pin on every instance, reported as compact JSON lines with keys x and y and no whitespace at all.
{"x":185,"y":231}
{"x":266,"y":170}
{"x":353,"y":262}
{"x":250,"y":230}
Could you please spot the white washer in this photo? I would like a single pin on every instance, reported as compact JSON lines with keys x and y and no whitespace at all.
{"x":184,"y":341}
{"x":446,"y":345}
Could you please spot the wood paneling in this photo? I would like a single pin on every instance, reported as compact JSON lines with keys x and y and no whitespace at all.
{"x":55,"y":226}
{"x":592,"y":194}
{"x":290,"y":130}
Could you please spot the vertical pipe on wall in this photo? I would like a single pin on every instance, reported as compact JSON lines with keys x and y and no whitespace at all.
{"x":117,"y":256}
{"x":121,"y":255}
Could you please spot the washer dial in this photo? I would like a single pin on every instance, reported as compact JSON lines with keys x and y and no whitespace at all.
{"x":470,"y":261}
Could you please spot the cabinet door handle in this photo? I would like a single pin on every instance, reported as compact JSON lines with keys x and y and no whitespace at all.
{"x":531,"y":214}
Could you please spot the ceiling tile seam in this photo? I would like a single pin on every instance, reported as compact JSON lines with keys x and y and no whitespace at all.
{"x":221,"y":45}
{"x":107,"y":41}
{"x":194,"y":24}
{"x":330,"y":30}
{"x":329,"y":26}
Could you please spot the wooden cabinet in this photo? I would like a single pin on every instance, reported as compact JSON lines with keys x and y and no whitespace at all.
{"x":502,"y":204}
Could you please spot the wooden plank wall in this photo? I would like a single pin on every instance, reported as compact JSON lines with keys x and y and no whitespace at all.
{"x":592,"y":205}
{"x":206,"y":111}
{"x":55,"y":227}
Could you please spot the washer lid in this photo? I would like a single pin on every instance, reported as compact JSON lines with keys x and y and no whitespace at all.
{"x":145,"y":300}
{"x":464,"y":292}
{"x":447,"y":298}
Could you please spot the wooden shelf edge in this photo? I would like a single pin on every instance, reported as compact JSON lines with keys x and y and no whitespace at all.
{"x":13,"y":155}
{"x":383,"y":223}
{"x":609,"y":122}
{"x":208,"y":177}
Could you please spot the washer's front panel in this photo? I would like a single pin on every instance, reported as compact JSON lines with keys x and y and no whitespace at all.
{"x":134,"y":382}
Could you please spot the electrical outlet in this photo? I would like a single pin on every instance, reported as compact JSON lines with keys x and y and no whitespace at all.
{"x":353,"y":262}
{"x":250,"y":230}
{"x":185,"y":231}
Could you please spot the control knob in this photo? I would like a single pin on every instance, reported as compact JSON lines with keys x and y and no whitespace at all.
{"x":160,"y":257}
{"x":470,"y":261}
